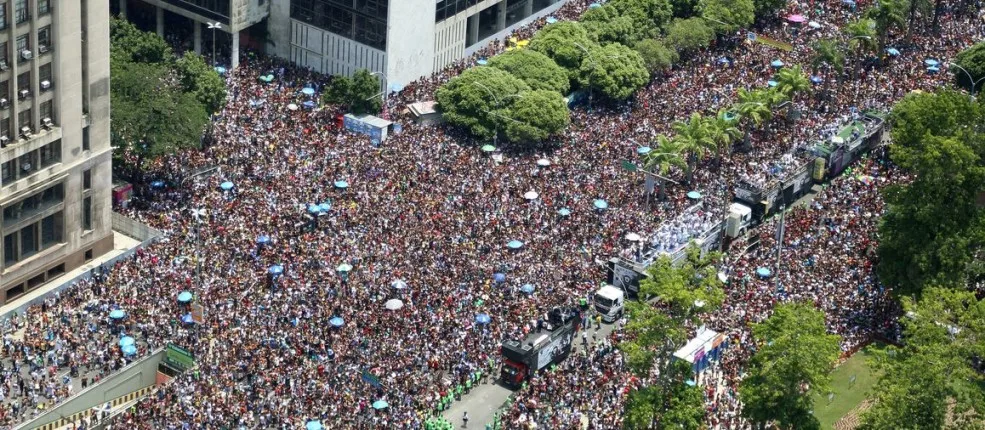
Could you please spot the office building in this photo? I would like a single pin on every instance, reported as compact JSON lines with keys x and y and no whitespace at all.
{"x":54,"y":133}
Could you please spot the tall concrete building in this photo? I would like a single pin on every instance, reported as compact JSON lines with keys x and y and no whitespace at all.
{"x":54,"y":131}
{"x":402,"y":39}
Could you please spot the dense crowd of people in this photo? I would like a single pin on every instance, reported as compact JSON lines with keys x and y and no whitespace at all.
{"x":422,"y":222}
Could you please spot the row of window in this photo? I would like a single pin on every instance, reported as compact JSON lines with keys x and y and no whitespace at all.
{"x":361,"y":20}
{"x":33,"y":238}
{"x":449,"y":8}
{"x":22,"y":12}
{"x":23,"y":50}
{"x":25,"y":120}
{"x":27,"y":164}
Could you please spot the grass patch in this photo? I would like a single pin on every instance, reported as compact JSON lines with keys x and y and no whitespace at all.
{"x":847,"y":395}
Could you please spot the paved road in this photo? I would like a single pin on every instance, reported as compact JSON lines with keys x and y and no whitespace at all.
{"x":483,"y":401}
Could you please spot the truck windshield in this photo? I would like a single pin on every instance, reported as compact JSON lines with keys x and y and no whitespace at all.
{"x":602,"y":301}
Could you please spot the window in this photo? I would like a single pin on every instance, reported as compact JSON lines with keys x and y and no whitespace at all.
{"x":44,"y":7}
{"x":24,"y":119}
{"x":87,"y":213}
{"x":44,"y":75}
{"x":29,"y":242}
{"x":51,"y":230}
{"x":4,"y":58}
{"x":10,"y":249}
{"x":24,"y":81}
{"x":3,"y":16}
{"x":51,"y":153}
{"x":27,"y":163}
{"x":87,"y":180}
{"x":5,"y":127}
{"x":21,"y":13}
{"x":44,"y":38}
{"x":23,"y":44}
{"x":9,"y":172}
{"x":5,"y":90}
{"x":85,"y":138}
{"x":47,"y":111}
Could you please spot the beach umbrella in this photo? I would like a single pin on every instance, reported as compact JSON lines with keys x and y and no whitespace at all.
{"x":633,"y":237}
{"x":336,"y":321}
{"x":527,"y":288}
{"x":866,"y":179}
{"x":127,"y":341}
{"x":394,"y":304}
{"x":551,"y":20}
{"x":772,"y":83}
{"x":796,"y":18}
{"x":488,"y":148}
{"x":292,"y":106}
{"x":157,"y":184}
{"x":531,"y":195}
{"x":221,"y":70}
{"x":341,"y":184}
{"x":643,"y":150}
{"x":693,"y":195}
{"x":308,"y":104}
{"x":308,"y":91}
{"x":933,"y":69}
{"x":722,"y":277}
{"x":482,"y":62}
{"x":849,"y":2}
{"x":276,"y":270}
{"x":129,"y":350}
{"x":313,"y":208}
{"x":690,"y":382}
{"x":499,"y":278}
{"x":515,"y":244}
{"x":816,"y":79}
{"x":564,"y":211}
{"x":187,"y":319}
{"x":723,"y":60}
{"x":313,"y":425}
{"x":184,"y":296}
{"x":777,"y":63}
{"x":325,"y":207}
{"x":763,"y":272}
{"x":594,"y":5}
{"x":399,"y":284}
{"x":893,"y":51}
{"x":226,"y":186}
{"x":344,"y":267}
{"x":543,"y":162}
{"x":117,"y":314}
{"x":263,"y":239}
{"x":814,"y":24}
{"x":930,"y":62}
{"x":600,"y":204}
{"x":483,"y":318}
{"x":380,"y":404}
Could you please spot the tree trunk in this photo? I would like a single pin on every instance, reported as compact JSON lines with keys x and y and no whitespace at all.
{"x":913,"y":17}
{"x":937,"y":14}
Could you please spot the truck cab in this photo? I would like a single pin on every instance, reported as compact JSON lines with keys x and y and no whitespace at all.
{"x":739,"y":220}
{"x":610,"y":303}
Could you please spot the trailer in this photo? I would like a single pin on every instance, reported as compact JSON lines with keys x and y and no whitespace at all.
{"x":541,"y":348}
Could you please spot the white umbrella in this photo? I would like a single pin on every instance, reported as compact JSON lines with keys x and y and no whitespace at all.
{"x":292,"y":106}
{"x":398,"y":284}
{"x":722,"y":277}
{"x":394,"y":304}
{"x":633,"y":237}
{"x":543,"y":162}
{"x":531,"y":195}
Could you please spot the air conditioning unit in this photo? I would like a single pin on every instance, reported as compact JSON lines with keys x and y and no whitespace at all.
{"x":27,"y":54}
{"x":3,"y":141}
{"x":45,"y":84}
{"x":42,"y":49}
{"x":3,"y":65}
{"x":26,"y":131}
{"x":46,"y":122}
{"x":24,"y":93}
{"x":4,"y":103}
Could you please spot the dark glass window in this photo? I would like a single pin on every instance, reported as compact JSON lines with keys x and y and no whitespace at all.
{"x":449,"y":8}
{"x":364,"y":21}
{"x":87,"y":213}
{"x":29,"y":242}
{"x":10,"y":249}
{"x":21,"y":14}
{"x":44,"y":7}
{"x":3,"y":16}
{"x":51,"y":230}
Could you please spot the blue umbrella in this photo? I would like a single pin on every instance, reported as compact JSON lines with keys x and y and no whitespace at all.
{"x":933,"y":69}
{"x":221,"y":70}
{"x":263,"y":239}
{"x":127,"y":341}
{"x":336,"y":321}
{"x":515,"y":244}
{"x":693,"y":195}
{"x":594,"y":6}
{"x":772,"y":83}
{"x":723,"y":60}
{"x":483,"y":318}
{"x":564,"y":211}
{"x":729,"y":116}
{"x":777,"y":63}
{"x":551,"y":20}
{"x":396,"y":87}
{"x":527,"y":288}
{"x":380,"y":404}
{"x":893,"y":51}
{"x":185,"y":297}
{"x":690,"y":382}
{"x":499,"y":278}
{"x":601,"y":204}
{"x":482,"y":62}
{"x":325,"y":207}
{"x":344,"y":267}
{"x":117,"y":314}
{"x":313,"y":208}
{"x":643,"y":150}
{"x":187,"y":319}
{"x":129,"y":350}
{"x":226,"y":186}
{"x":157,"y":184}
{"x":849,"y":2}
{"x":308,"y":104}
{"x":313,"y":425}
{"x":930,"y":62}
{"x":763,"y":272}
{"x":275,"y":270}
{"x":341,"y":184}
{"x":308,"y":91}
{"x":816,"y":79}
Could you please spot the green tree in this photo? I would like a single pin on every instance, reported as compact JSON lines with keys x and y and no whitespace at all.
{"x":606,"y":25}
{"x":696,"y":139}
{"x":360,"y":94}
{"x":791,"y":81}
{"x":647,"y":15}
{"x":565,"y":42}
{"x":689,"y":35}
{"x":656,"y":55}
{"x":671,"y":404}
{"x":534,"y":115}
{"x":685,"y":8}
{"x":127,"y":42}
{"x":795,"y":351}
{"x":888,"y":15}
{"x":752,"y":110}
{"x":666,"y":155}
{"x":686,"y":288}
{"x":942,"y":332}
{"x":971,"y":59}
{"x":768,"y":8}
{"x":723,"y":130}
{"x":829,"y":57}
{"x":614,"y":70}
{"x":202,"y":81}
{"x":535,"y":69}
{"x":728,"y":16}
{"x":470,"y":99}
{"x":933,"y":231}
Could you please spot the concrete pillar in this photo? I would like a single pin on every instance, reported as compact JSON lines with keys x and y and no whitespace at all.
{"x":160,"y":22}
{"x":234,"y":59}
{"x":198,"y":37}
{"x":123,"y":8}
{"x":501,"y":16}
{"x":528,"y":8}
{"x":473,"y":30}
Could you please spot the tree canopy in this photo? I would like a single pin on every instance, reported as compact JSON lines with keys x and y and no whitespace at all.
{"x":933,"y":231}
{"x":202,"y":81}
{"x":656,"y":55}
{"x":360,"y":94}
{"x":689,"y":35}
{"x":565,"y":42}
{"x":606,"y":25}
{"x":971,"y":59}
{"x":614,"y":70}
{"x":469,"y":99}
{"x":534,"y":116}
{"x":727,"y":16}
{"x":537,"y":70}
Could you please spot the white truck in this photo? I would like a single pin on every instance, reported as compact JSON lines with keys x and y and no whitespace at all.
{"x":610,"y":303}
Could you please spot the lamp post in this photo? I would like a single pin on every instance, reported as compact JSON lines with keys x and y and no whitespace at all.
{"x":971,"y":79}
{"x":198,"y":213}
{"x":779,"y":243}
{"x":498,"y":104}
{"x":214,"y":26}
{"x":383,"y":83}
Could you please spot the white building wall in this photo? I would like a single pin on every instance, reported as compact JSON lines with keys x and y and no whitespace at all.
{"x":410,"y":41}
{"x":329,"y":53}
{"x":449,"y":41}
{"x":279,"y":29}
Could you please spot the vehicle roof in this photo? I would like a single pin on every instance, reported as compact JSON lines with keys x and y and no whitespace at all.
{"x":610,"y":292}
{"x":740,"y":209}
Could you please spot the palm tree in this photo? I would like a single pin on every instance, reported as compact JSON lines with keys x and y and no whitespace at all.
{"x":792,"y":80}
{"x":723,"y":131}
{"x":862,"y":39}
{"x":666,"y":154}
{"x":696,"y":140}
{"x":752,"y":110}
{"x":888,"y":15}
{"x":829,"y":56}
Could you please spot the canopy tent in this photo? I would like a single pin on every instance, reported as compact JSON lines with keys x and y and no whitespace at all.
{"x":706,"y":345}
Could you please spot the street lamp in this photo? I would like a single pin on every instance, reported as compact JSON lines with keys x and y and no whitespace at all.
{"x":382,"y":85}
{"x":591,"y":93}
{"x":214,"y":26}
{"x":198,"y":214}
{"x":971,"y":79}
{"x":498,"y":104}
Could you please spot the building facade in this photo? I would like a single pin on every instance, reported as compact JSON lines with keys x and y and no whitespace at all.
{"x":56,"y":181}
